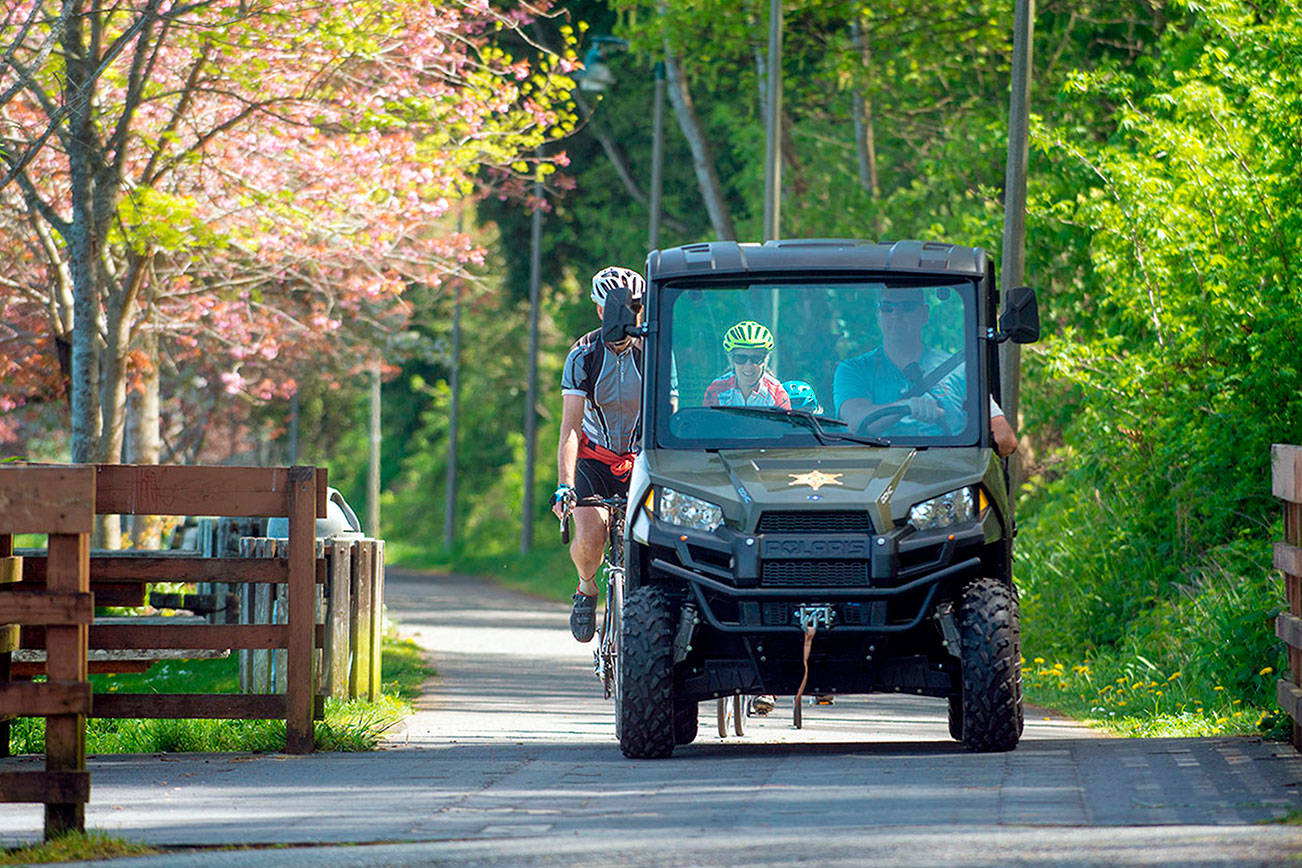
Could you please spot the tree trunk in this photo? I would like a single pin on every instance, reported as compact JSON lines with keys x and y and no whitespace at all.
{"x":77,"y":235}
{"x":146,"y":439}
{"x":707,"y":178}
{"x":864,"y":133}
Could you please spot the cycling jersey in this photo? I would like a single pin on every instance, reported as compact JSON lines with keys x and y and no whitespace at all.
{"x":611,"y":386}
{"x":726,"y":392}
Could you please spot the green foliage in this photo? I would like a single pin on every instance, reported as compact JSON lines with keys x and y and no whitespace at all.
{"x":1146,"y":535}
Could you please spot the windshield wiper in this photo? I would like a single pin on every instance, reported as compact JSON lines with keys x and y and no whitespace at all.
{"x":812,"y":422}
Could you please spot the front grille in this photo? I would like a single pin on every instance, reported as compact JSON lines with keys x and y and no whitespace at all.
{"x":842,"y":521}
{"x":815,"y":574}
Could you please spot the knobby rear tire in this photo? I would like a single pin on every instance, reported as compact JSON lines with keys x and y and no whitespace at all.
{"x":646,"y":678}
{"x":686,"y":722}
{"x":956,"y":718}
{"x":989,"y":631}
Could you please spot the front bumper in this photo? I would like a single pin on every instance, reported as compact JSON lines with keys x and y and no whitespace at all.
{"x":874,"y":583}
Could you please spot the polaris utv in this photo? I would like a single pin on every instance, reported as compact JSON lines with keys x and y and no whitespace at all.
{"x":857,"y":542}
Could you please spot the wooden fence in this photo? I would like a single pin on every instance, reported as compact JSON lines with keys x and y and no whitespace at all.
{"x":120,"y":578}
{"x":350,"y":575}
{"x":59,"y":501}
{"x":1286,"y":484}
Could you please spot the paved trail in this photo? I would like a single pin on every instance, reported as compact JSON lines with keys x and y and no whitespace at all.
{"x":511,"y":760}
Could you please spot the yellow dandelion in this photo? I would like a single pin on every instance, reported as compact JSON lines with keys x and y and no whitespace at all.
{"x":1038,"y":661}
{"x":1218,"y":687}
{"x":1123,"y":679}
{"x":1237,"y":702}
{"x":1174,"y":676}
{"x":1267,"y":670}
{"x":1222,"y":720}
{"x":1157,"y":693}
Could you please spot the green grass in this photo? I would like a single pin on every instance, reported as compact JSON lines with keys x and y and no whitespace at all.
{"x":356,"y":725}
{"x":1133,"y":698}
{"x":75,"y":847}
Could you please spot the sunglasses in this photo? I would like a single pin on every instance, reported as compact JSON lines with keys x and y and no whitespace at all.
{"x":749,"y":359}
{"x":898,"y":306}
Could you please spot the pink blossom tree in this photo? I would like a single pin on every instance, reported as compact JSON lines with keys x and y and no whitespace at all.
{"x":245,"y":186}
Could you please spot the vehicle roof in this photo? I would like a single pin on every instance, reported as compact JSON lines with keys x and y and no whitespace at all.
{"x":817,"y":254}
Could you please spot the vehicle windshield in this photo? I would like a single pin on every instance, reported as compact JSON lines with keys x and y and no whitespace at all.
{"x":858,"y":362}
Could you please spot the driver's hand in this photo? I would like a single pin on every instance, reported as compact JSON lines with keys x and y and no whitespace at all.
{"x":925,"y":408}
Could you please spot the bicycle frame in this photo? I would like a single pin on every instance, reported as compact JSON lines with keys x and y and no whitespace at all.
{"x":606,"y":653}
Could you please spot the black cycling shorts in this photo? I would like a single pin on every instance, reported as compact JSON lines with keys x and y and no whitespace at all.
{"x":593,"y":479}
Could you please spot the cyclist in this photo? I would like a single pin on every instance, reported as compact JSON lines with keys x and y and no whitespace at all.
{"x":802,"y":396}
{"x":601,"y":413}
{"x":748,"y":383}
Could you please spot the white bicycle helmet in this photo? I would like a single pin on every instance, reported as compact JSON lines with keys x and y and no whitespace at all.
{"x":609,"y":278}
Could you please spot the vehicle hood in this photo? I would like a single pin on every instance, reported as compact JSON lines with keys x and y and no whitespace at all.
{"x":885,"y":481}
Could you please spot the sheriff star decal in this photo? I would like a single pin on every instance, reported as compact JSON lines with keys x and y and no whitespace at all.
{"x":815,"y":479}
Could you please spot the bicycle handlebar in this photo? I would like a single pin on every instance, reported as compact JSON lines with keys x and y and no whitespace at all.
{"x":615,"y":504}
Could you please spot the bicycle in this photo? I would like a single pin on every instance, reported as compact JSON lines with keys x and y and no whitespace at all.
{"x":605,"y":654}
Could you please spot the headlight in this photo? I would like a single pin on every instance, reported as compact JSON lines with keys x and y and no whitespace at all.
{"x":950,"y":508}
{"x":687,"y":511}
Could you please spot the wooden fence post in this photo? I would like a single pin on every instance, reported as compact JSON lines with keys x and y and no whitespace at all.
{"x":1286,"y":484}
{"x":360,"y":620}
{"x":339,"y":562}
{"x":68,"y":572}
{"x":11,"y":570}
{"x":376,"y":579}
{"x":301,"y":687}
{"x":59,"y":501}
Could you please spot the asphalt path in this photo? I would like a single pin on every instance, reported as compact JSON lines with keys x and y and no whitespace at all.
{"x":511,"y":760}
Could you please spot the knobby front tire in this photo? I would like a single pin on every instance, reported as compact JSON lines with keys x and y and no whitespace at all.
{"x":646,"y":676}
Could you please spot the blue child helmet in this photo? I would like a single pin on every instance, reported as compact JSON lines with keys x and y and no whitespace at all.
{"x":802,"y":396}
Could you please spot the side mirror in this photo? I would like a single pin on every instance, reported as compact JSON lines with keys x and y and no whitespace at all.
{"x":1020,"y":321}
{"x":618,"y":319}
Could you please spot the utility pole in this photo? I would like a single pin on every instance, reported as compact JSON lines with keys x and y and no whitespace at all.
{"x":531,"y":401}
{"x":1013,"y":266}
{"x":373,"y":466}
{"x":657,"y":156}
{"x":454,"y":420}
{"x":773,"y":125}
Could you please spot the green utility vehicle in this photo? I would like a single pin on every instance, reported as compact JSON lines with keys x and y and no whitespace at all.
{"x":860,"y":542}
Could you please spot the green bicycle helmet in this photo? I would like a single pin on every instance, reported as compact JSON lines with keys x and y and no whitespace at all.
{"x":748,"y":335}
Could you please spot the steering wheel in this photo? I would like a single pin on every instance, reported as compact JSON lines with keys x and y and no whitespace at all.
{"x":893,"y":412}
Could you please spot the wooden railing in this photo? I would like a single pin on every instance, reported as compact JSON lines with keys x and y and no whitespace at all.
{"x":120,"y":578}
{"x":59,"y":501}
{"x":350,"y":611}
{"x":1286,"y":484}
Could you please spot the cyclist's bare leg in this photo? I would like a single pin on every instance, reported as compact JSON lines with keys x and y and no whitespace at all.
{"x":588,"y":544}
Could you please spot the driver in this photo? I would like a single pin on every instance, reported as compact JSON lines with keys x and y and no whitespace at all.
{"x":884,"y":376}
{"x":748,"y":383}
